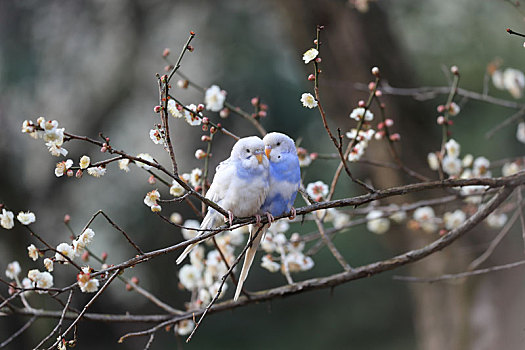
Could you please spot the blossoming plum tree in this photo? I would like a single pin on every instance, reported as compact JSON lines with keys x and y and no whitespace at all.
{"x":473,"y":190}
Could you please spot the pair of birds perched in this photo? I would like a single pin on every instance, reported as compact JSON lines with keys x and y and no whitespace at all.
{"x":249,"y":183}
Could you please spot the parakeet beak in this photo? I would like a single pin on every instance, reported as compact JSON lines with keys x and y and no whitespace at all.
{"x":268,"y":150}
{"x":259,"y":157}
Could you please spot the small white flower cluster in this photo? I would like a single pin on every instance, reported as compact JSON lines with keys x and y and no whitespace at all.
{"x":378,"y":221}
{"x":38,"y":279}
{"x":7,"y":218}
{"x":426,"y":219}
{"x":86,"y":283}
{"x":151,"y":200}
{"x":465,"y":168}
{"x":520,"y":132}
{"x":317,"y":190}
{"x":203,"y":275}
{"x":362,"y":140}
{"x":194,"y":178}
{"x":510,"y":79}
{"x":49,"y":131}
{"x":75,"y":249}
{"x":512,"y":168}
{"x":285,"y":255}
{"x":193,"y":118}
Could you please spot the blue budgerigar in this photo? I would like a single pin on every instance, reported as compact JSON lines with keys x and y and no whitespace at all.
{"x":284,"y":180}
{"x":240,"y":185}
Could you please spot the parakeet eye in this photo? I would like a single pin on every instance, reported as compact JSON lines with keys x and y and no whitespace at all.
{"x":278,"y":143}
{"x":247,"y":150}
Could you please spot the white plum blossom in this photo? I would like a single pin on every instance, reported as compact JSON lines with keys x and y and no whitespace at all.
{"x":308,"y":100}
{"x":495,"y":220}
{"x":453,"y":148}
{"x":146,"y":157}
{"x":399,"y":216}
{"x":510,"y":169}
{"x":64,"y":249}
{"x":6,"y":219}
{"x":520,"y":132}
{"x":376,"y":223}
{"x":26,"y":218}
{"x":451,"y":166}
{"x":193,"y":118}
{"x":48,"y":263}
{"x":97,"y":171}
{"x":269,"y":264}
{"x":481,"y":167}
{"x":151,"y":199}
{"x":176,"y":190}
{"x":43,"y":280}
{"x":156,"y":136}
{"x":187,"y":232}
{"x":174,"y":111}
{"x":514,"y":82}
{"x":297,"y":261}
{"x":189,"y":277}
{"x":317,"y":190}
{"x":426,"y":217}
{"x":13,"y":270}
{"x":454,"y":219}
{"x":196,"y":177}
{"x":32,"y":252}
{"x":363,"y":135}
{"x":358,"y":113}
{"x":473,"y":193}
{"x":86,"y":283}
{"x":62,"y":167}
{"x":310,"y":55}
{"x":123,"y":164}
{"x":304,"y":158}
{"x":184,"y":327}
{"x":340,"y":220}
{"x":56,"y":149}
{"x":176,"y":218}
{"x":214,"y":98}
{"x":84,"y":162}
{"x":467,"y":161}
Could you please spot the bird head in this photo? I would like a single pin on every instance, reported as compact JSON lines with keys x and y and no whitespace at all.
{"x":250,"y":150}
{"x":277,"y":144}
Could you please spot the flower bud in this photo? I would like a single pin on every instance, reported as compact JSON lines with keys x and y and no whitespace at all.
{"x":104,"y":256}
{"x":371,"y":85}
{"x":85,"y":256}
{"x":200,"y":107}
{"x":166,"y":52}
{"x":69,"y":172}
{"x":157,"y":109}
{"x":395,"y":137}
{"x":213,"y":130}
{"x":135,"y":280}
{"x":389,"y":122}
{"x":205,"y":138}
{"x":441,"y":120}
{"x":205,"y":120}
{"x":190,"y":48}
{"x":361,"y":103}
{"x":379,"y":93}
{"x":454,"y":70}
{"x":375,"y":71}
{"x":311,"y":77}
{"x":255,"y":101}
{"x":318,"y":60}
{"x":224,"y":113}
{"x":204,"y":127}
{"x":67,"y":218}
{"x":78,"y":174}
{"x":261,"y":114}
{"x":152,"y":180}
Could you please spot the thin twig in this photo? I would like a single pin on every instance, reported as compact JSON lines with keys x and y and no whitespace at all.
{"x":459,"y":275}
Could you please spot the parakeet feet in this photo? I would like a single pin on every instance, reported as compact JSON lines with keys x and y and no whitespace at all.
{"x":257,"y":219}
{"x":270,"y":219}
{"x":230,"y":218}
{"x":294,"y":214}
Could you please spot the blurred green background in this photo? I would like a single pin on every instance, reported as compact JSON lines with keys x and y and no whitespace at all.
{"x":91,"y":65}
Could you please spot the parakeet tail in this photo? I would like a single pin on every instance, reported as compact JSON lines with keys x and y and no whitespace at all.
{"x":248,"y":259}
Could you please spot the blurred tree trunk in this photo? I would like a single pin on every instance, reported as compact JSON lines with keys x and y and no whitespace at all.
{"x":353,"y":43}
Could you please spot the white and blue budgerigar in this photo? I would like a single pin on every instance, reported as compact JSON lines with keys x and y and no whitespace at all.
{"x":240,"y":185}
{"x":284,"y":180}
